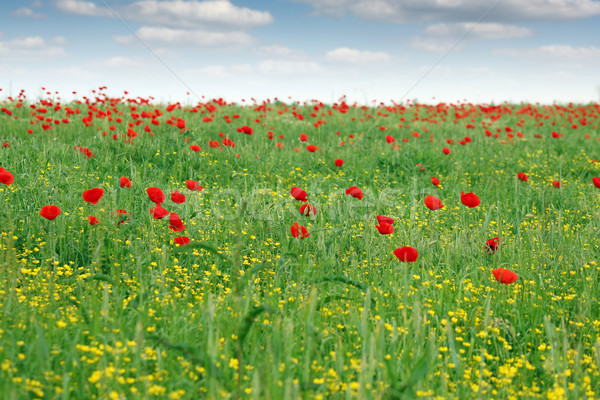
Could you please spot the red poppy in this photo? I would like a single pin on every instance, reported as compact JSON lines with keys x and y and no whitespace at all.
{"x":355,"y":192}
{"x":407,"y":254}
{"x":124,"y":182}
{"x":175,"y":223}
{"x":308,"y":210}
{"x":303,"y":137}
{"x":50,"y":212}
{"x":522,"y":177}
{"x":156,"y":195}
{"x":93,"y":220}
{"x":195,"y":147}
{"x":435,"y":181}
{"x":596,"y":182}
{"x":312,"y":148}
{"x":470,"y":199}
{"x":446,"y":150}
{"x":247,"y":130}
{"x":193,"y":185}
{"x":556,"y":184}
{"x":182,"y":240}
{"x":121,"y":213}
{"x":177,"y":197}
{"x":6,"y":145}
{"x":390,"y":139}
{"x":339,"y":162}
{"x":385,"y":220}
{"x":433,"y":203}
{"x":492,"y":245}
{"x":299,"y":194}
{"x":6,"y":177}
{"x":158,"y":212}
{"x":384,"y":228}
{"x":505,"y":276}
{"x":299,"y":231}
{"x":92,"y":196}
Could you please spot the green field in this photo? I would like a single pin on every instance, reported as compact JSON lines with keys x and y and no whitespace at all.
{"x":118,"y":310}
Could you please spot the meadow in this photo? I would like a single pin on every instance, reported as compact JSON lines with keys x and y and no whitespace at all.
{"x":278,"y":250}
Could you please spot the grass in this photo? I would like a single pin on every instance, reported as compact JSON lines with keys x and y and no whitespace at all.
{"x":118,"y":311}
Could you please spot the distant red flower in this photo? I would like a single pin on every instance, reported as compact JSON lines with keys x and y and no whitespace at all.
{"x":93,"y":220}
{"x":312,"y":148}
{"x":124,"y":182}
{"x":407,"y":254}
{"x":6,"y":177}
{"x":121,"y":214}
{"x":195,"y":147}
{"x":492,"y":245}
{"x":175,"y":223}
{"x":158,"y":212}
{"x":177,"y":197}
{"x":339,"y":162}
{"x":433,"y":203}
{"x":299,"y":194}
{"x":308,"y":210}
{"x":303,"y":137}
{"x":299,"y":231}
{"x":355,"y":192}
{"x":390,"y":139}
{"x":182,"y":240}
{"x":156,"y":195}
{"x":470,"y":199}
{"x":596,"y":182}
{"x":522,"y":177}
{"x":50,"y":212}
{"x":385,"y":228}
{"x":556,"y":184}
{"x":193,"y":185}
{"x":247,"y":130}
{"x":435,"y":181}
{"x":6,"y":145}
{"x":385,"y":220}
{"x":446,"y":150}
{"x":92,"y":196}
{"x":505,"y":276}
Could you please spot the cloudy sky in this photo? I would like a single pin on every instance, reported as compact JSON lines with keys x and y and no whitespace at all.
{"x":428,"y":50}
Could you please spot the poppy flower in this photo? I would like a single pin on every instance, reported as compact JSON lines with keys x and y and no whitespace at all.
{"x":182,"y":240}
{"x":158,"y":212}
{"x":492,"y":245}
{"x":446,"y":150}
{"x":92,"y":196}
{"x":435,"y":181}
{"x":470,"y":199}
{"x":177,"y":197}
{"x":390,"y":139}
{"x":355,"y":192}
{"x":312,"y":148}
{"x":195,"y":147}
{"x":308,"y":210}
{"x":505,"y":276}
{"x":596,"y":182}
{"x":407,"y":254}
{"x":247,"y":130}
{"x":6,"y":177}
{"x":299,"y":231}
{"x":556,"y":184}
{"x":124,"y":182}
{"x":6,"y":145}
{"x":50,"y":212}
{"x":303,"y":137}
{"x":175,"y":223}
{"x":433,"y":203}
{"x":121,"y":214}
{"x":339,"y":162}
{"x":93,"y":220}
{"x":384,"y":228}
{"x":193,"y":185}
{"x":299,"y":194}
{"x":156,"y":195}
{"x":522,"y":177}
{"x":381,"y":219}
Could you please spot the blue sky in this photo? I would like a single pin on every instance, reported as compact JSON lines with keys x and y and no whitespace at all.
{"x":384,"y":50}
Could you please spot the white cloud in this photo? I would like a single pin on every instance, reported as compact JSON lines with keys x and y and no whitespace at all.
{"x":36,"y":4}
{"x":281,"y":51}
{"x":353,"y":56}
{"x":184,"y":36}
{"x":221,"y":71}
{"x":562,"y":52}
{"x":83,"y":8}
{"x":27,"y":12}
{"x":32,"y":46}
{"x":285,"y":67}
{"x":458,"y":10}
{"x":490,"y":30}
{"x":128,"y":62}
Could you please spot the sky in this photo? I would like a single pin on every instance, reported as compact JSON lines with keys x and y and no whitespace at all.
{"x":431,"y":51}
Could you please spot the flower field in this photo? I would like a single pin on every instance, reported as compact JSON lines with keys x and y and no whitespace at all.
{"x":298,"y":250}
